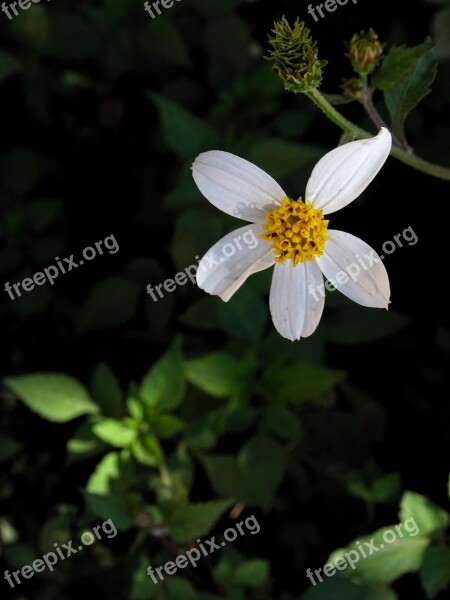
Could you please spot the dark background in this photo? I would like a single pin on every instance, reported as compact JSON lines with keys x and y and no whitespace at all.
{"x":79,"y":126}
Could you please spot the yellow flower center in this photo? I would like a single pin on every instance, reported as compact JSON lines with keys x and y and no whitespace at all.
{"x":297,"y":231}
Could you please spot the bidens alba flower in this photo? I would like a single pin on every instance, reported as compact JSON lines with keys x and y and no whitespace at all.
{"x":293,"y":235}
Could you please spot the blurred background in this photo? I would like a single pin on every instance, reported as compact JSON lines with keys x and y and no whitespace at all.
{"x":178,"y":418}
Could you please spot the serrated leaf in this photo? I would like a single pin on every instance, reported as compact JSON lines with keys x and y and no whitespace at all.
{"x":216,"y":374}
{"x":435,"y":570}
{"x":196,"y":520}
{"x":397,"y":64}
{"x":184,"y":133}
{"x":430,"y":518}
{"x":407,"y":94}
{"x":53,"y":396}
{"x":163,"y":387}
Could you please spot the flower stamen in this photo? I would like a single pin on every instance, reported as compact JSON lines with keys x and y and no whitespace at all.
{"x":297,"y":231}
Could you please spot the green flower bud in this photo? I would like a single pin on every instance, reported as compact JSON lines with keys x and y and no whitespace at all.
{"x":294,"y":56}
{"x":353,"y":88}
{"x":365,"y":51}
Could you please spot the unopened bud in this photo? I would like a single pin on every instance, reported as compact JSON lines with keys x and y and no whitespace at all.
{"x":365,"y":51}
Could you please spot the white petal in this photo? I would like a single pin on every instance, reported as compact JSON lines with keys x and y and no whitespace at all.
{"x":364,"y":278}
{"x":236,"y":186}
{"x":223,"y":275}
{"x":345,"y":172}
{"x":296,"y":304}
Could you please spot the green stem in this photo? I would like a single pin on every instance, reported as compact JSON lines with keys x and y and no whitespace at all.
{"x":357,"y":133}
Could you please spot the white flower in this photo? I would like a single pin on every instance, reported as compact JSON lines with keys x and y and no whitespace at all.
{"x":294,"y":235}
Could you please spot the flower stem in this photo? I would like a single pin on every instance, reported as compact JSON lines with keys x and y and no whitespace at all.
{"x":357,"y":133}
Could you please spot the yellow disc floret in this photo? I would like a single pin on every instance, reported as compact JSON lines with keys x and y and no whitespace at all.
{"x":297,"y":231}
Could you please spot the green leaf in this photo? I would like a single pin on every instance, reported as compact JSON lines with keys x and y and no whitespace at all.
{"x":147,"y":451}
{"x":209,"y":9}
{"x":252,"y":573}
{"x":110,"y":303}
{"x":263,"y":464}
{"x":203,"y":314}
{"x":42,"y":213}
{"x":71,"y":38}
{"x":337,"y":588}
{"x":245,"y":315}
{"x":8,"y":447}
{"x":300,"y":383}
{"x":53,"y":396}
{"x":164,"y":385}
{"x":435,"y":570}
{"x":110,"y":476}
{"x":281,"y":158}
{"x":167,"y":426}
{"x":216,"y":374}
{"x":142,"y":587}
{"x":225,"y":475}
{"x":391,"y":560}
{"x":397,"y":64}
{"x":184,"y":133}
{"x":116,"y":433}
{"x":228,"y":42}
{"x":181,"y":589}
{"x":441,"y":33}
{"x":357,"y":325}
{"x":282,"y":422}
{"x":108,"y":507}
{"x":192,"y":239}
{"x":83,"y":443}
{"x":105,"y":390}
{"x":21,"y":170}
{"x":196,"y":520}
{"x":430,"y":519}
{"x":407,"y":94}
{"x":8,"y":65}
{"x":163,"y":44}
